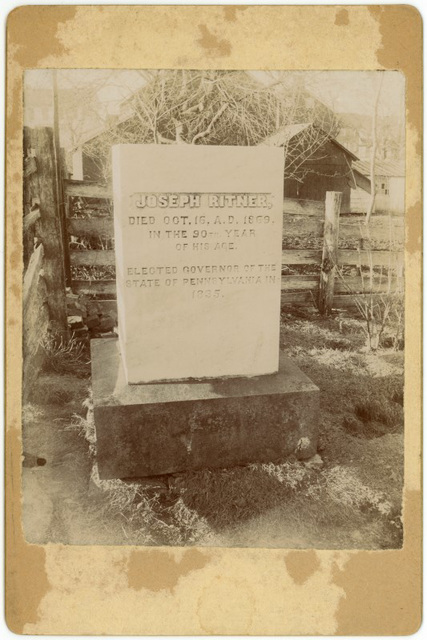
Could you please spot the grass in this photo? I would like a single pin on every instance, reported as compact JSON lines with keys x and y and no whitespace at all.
{"x":66,"y":355}
{"x":379,"y":410}
{"x":350,"y":497}
{"x":376,"y":416}
{"x":53,"y":389}
{"x":228,"y":496}
{"x":351,"y":500}
{"x":149,"y":517}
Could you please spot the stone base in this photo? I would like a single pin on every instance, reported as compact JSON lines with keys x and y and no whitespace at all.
{"x":159,"y":428}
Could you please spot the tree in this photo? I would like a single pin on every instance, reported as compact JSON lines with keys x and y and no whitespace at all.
{"x":371,"y":203}
{"x":218,"y":108}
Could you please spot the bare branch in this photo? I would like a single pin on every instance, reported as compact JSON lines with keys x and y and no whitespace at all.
{"x":204,"y":133}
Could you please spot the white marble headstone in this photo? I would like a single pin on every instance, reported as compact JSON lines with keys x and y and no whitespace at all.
{"x":198,"y":232}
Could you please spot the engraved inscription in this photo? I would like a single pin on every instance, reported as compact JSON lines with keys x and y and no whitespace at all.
{"x":189,"y":231}
{"x":198,"y":233}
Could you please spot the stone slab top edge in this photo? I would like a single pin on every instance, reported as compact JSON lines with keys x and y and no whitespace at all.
{"x":110,"y":387}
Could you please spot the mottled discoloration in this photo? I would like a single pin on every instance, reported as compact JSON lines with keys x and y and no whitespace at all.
{"x":413,"y":241}
{"x":235,"y":599}
{"x":230,"y":12}
{"x":401,"y":41}
{"x":158,"y":570}
{"x":341,"y":17}
{"x":14,"y":288}
{"x":26,"y":579}
{"x":381,"y":595}
{"x":214,"y":46}
{"x":34,"y":32}
{"x":31,"y":35}
{"x":14,"y":262}
{"x":301,"y":565}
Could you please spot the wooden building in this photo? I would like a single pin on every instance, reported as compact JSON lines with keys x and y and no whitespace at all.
{"x":314,"y":163}
{"x":389,"y":187}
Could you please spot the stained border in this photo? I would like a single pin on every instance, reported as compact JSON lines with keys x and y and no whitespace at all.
{"x":357,"y":593}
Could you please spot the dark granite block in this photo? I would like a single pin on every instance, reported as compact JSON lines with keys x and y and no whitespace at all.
{"x":154,"y":429}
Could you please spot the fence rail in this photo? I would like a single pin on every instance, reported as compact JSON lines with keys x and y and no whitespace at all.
{"x":91,"y":226}
{"x":92,"y":258}
{"x":381,"y":228}
{"x":86,"y":189}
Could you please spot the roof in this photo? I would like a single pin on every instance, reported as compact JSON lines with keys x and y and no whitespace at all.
{"x":389,"y":168}
{"x":99,"y":130}
{"x":286,"y":133}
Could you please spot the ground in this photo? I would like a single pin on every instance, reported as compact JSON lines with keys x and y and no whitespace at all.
{"x":347,"y":497}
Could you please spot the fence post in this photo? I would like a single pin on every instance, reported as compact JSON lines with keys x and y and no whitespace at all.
{"x":330,"y":251}
{"x":51,"y":228}
{"x":63,"y":211}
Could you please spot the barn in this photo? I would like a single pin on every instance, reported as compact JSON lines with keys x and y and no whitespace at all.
{"x":314,"y":163}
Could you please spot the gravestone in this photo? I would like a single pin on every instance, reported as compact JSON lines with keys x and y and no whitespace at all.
{"x":198,"y":232}
{"x":195,"y":379}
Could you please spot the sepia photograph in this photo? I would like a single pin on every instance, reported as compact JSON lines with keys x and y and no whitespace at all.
{"x":213,"y":308}
{"x":213,"y":314}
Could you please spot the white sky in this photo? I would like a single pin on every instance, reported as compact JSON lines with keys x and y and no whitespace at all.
{"x":354,"y":91}
{"x":343,"y":91}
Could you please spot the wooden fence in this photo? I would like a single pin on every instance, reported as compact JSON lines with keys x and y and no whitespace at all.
{"x":44,"y":304}
{"x":68,"y":241}
{"x":315,"y":238}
